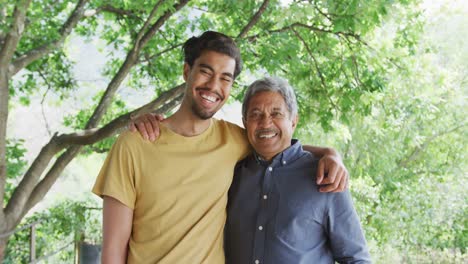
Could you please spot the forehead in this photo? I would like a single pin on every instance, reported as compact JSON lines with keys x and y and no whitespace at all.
{"x":266,"y":100}
{"x":217,"y":61}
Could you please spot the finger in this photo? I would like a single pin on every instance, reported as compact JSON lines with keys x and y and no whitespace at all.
{"x":131,"y":127}
{"x":331,"y":174}
{"x":142,"y":129}
{"x":343,"y":181}
{"x":149,"y":127}
{"x":327,"y":188}
{"x":336,"y":182}
{"x":332,"y":186}
{"x":320,"y":171}
{"x":159,"y":117}
{"x":154,"y":119}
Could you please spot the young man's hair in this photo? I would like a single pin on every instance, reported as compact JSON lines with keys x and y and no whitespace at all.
{"x":213,"y":41}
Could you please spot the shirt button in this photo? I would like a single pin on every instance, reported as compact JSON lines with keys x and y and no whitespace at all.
{"x":257,"y":261}
{"x":270,"y":168}
{"x":260,"y":228}
{"x":284,"y":162}
{"x":265,"y":197}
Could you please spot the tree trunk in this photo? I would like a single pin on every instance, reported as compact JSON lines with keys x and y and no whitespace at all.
{"x":3,"y":244}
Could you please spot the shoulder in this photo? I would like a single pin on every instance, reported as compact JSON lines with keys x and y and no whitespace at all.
{"x":231,"y":130}
{"x":304,"y":160}
{"x":128,"y":137}
{"x":227,"y":125}
{"x":130,"y":141}
{"x":340,"y":201}
{"x":245,"y":162}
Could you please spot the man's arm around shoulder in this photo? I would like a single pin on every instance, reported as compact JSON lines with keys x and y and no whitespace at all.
{"x":331,"y":173}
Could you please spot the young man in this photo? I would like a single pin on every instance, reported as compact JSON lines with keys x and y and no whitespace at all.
{"x":165,"y":201}
{"x":276,"y":214}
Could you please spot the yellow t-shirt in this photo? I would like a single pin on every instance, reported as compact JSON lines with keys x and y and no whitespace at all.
{"x":177,"y":187}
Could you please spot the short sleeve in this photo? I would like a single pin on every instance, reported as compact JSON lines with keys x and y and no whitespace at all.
{"x":117,"y":176}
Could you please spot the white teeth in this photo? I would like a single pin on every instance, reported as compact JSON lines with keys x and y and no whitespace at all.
{"x":267,"y":135}
{"x":209,"y":98}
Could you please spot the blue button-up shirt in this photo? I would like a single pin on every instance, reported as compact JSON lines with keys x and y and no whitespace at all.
{"x":277,"y":215}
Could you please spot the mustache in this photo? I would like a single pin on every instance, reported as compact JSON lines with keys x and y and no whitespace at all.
{"x":265,"y":131}
{"x":209,"y":90}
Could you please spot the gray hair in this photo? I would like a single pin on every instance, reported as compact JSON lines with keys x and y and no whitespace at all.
{"x":271,"y":84}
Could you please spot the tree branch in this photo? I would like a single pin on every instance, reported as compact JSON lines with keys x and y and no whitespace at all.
{"x":118,"y":11}
{"x":44,"y":185}
{"x":7,"y":50}
{"x":49,"y":87}
{"x":148,"y":22}
{"x":64,"y":32}
{"x":161,"y":21}
{"x":91,"y":136}
{"x":130,"y":61}
{"x":417,"y":150}
{"x":311,"y":28}
{"x":163,"y":103}
{"x":322,"y":79}
{"x":15,"y":33}
{"x":254,"y":19}
{"x":19,"y":197}
{"x":152,"y":57}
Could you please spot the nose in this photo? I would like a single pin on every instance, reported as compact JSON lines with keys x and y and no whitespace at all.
{"x":265,"y":120}
{"x":212,"y":83}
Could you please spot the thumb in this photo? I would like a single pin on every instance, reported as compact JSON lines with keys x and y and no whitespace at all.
{"x":131,"y":127}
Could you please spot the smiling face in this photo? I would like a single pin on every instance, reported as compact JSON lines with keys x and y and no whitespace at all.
{"x":209,"y":83}
{"x":269,"y":124}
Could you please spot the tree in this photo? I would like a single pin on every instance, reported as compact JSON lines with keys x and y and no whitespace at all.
{"x":320,"y":45}
{"x":407,"y":158}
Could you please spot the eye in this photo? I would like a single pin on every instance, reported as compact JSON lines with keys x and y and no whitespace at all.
{"x":277,"y":115}
{"x":254,"y":116}
{"x":205,"y":72}
{"x":228,"y":80}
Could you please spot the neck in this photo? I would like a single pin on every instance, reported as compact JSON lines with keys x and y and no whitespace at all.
{"x":267,"y":158}
{"x":185,"y":123}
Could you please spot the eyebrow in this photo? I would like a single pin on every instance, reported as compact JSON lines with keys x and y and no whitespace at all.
{"x":228,"y":74}
{"x":258,"y":109}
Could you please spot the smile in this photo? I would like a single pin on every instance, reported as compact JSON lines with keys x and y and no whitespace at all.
{"x":210,"y":98}
{"x":266,"y":134}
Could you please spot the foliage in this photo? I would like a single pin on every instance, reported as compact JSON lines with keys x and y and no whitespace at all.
{"x":64,"y":223}
{"x":407,"y":158}
{"x":16,"y":165}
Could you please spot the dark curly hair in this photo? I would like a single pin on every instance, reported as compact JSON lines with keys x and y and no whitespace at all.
{"x":214,"y":41}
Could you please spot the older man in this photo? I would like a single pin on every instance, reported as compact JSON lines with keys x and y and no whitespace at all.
{"x":275,"y":212}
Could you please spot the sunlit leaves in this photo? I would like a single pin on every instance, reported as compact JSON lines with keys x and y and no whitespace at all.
{"x":65,"y":222}
{"x":16,"y":164}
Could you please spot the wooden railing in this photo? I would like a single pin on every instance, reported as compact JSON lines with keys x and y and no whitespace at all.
{"x":32,"y":242}
{"x":78,"y":238}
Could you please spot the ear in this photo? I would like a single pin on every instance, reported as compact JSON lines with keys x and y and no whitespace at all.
{"x":243,"y":122}
{"x":187,"y":69}
{"x":295,"y":119}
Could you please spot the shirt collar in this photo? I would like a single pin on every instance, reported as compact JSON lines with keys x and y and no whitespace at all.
{"x":281,"y":159}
